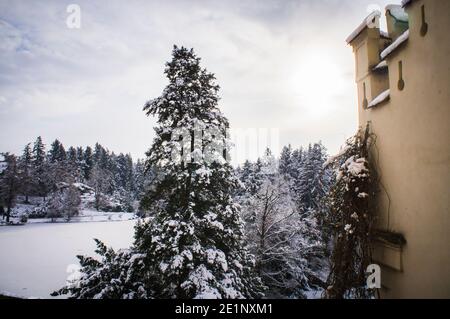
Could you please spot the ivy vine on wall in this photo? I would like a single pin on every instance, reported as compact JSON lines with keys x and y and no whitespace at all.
{"x":352,"y":214}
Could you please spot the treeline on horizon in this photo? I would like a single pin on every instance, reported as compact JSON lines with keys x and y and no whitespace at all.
{"x":41,"y":172}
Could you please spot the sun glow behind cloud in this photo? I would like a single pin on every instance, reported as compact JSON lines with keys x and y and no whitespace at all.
{"x":315,"y":81}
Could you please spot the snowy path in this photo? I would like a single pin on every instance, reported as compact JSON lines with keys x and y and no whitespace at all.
{"x":34,"y":258}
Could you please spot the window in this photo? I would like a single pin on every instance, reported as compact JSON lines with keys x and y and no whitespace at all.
{"x":364,"y":103}
{"x":424,"y":27}
{"x":401,"y":82}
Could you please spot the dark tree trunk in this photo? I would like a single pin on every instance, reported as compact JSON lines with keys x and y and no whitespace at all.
{"x":8,"y":213}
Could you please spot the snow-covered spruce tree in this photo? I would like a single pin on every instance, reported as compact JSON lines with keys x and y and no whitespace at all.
{"x":311,"y":181}
{"x":251,"y":178}
{"x":25,"y":172}
{"x":193,"y":244}
{"x":143,"y":179}
{"x":285,"y":163}
{"x":99,"y":180}
{"x":195,"y":241}
{"x":40,"y":169}
{"x":57,"y":153}
{"x":351,"y":217}
{"x":9,"y":184}
{"x":88,"y":163}
{"x":72,"y":164}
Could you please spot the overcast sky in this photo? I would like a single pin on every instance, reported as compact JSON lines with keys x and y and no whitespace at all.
{"x":280,"y":64}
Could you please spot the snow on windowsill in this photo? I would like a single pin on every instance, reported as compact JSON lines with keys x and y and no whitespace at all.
{"x":384,"y":96}
{"x":381,"y":65}
{"x":402,"y":38}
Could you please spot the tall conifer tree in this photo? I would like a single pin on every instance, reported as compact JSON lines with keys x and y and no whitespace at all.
{"x":193,"y":245}
{"x":195,"y":242}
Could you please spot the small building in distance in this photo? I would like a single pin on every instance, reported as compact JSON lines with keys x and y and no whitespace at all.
{"x":403,"y":85}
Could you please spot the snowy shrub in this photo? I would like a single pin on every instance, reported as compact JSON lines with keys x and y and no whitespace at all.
{"x":39,"y":211}
{"x":55,"y":205}
{"x":117,"y":275}
{"x":24,"y":219}
{"x":64,"y":202}
{"x":72,"y":201}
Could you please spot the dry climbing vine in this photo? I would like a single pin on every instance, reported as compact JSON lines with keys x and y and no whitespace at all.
{"x":351,"y":218}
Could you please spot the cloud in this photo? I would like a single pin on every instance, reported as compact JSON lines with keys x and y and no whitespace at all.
{"x":280,"y":64}
{"x":11,"y":37}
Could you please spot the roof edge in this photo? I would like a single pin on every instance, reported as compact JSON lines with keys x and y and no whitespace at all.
{"x":363,"y":25}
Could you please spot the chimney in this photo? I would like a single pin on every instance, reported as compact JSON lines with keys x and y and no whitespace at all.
{"x":397,"y":21}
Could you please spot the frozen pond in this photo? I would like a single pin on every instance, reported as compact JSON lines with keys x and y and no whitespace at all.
{"x":36,"y":259}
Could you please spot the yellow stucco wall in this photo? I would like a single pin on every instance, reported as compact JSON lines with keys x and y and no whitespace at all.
{"x":413,"y":153}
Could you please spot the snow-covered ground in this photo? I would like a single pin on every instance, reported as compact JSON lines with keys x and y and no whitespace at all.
{"x":89,"y":216}
{"x":84,"y":216}
{"x":37,"y":258}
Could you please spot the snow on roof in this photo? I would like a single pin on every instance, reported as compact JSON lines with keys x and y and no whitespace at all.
{"x":381,"y":65}
{"x":397,"y":12}
{"x":384,"y":96}
{"x":406,"y":2}
{"x":402,"y":38}
{"x":368,"y":20}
